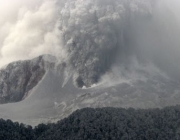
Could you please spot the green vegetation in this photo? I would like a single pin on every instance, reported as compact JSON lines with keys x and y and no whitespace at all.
{"x":102,"y":124}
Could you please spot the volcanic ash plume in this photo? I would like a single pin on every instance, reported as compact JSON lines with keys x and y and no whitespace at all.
{"x":94,"y":36}
{"x":96,"y":31}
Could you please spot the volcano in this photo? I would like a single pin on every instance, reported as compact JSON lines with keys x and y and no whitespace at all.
{"x":60,"y":56}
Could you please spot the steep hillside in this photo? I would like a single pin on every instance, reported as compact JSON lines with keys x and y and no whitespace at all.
{"x":17,"y":79}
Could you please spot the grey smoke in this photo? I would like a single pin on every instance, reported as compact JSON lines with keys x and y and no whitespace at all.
{"x":95,"y":37}
{"x":95,"y":32}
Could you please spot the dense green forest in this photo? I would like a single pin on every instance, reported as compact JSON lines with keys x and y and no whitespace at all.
{"x":102,"y":124}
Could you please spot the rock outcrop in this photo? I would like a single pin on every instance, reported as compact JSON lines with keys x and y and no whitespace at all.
{"x":17,"y":79}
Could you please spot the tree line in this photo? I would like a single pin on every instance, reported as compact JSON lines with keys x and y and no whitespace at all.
{"x":101,"y":124}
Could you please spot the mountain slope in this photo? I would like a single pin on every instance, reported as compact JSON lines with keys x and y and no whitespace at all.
{"x":55,"y":96}
{"x":17,"y":79}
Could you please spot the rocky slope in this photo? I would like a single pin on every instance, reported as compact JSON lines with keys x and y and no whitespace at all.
{"x":55,"y":96}
{"x":18,"y":78}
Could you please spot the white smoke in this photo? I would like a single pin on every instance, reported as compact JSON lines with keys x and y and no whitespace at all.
{"x":28,"y":29}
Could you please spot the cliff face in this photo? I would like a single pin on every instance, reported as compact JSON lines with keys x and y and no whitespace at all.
{"x":17,"y":79}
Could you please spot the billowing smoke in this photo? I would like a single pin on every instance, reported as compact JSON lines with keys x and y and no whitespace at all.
{"x":96,"y":31}
{"x":29,"y":29}
{"x":94,"y":36}
{"x":129,"y":34}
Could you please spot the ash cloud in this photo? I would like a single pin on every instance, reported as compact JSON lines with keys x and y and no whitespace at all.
{"x":29,"y":29}
{"x":96,"y":31}
{"x":95,"y":37}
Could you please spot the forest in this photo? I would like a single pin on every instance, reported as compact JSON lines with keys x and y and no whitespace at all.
{"x":101,"y":124}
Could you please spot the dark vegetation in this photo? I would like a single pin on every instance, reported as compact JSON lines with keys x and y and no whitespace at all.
{"x":102,"y":124}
